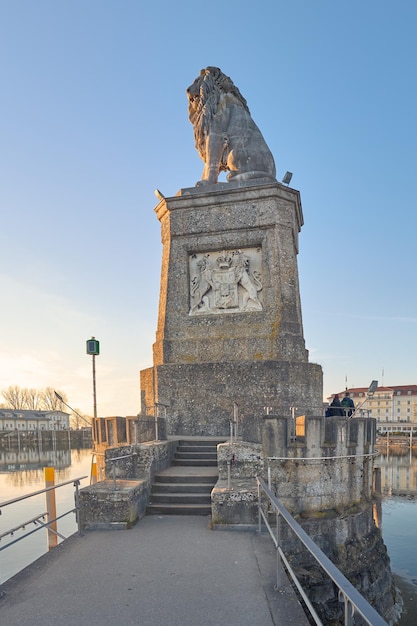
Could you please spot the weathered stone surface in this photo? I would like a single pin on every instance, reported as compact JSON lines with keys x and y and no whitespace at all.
{"x":222,"y":338}
{"x":268,"y":217}
{"x":141,"y":461}
{"x":122,"y":498}
{"x":354,"y":544}
{"x":235,"y":504}
{"x":109,"y":503}
{"x":200,"y":396}
{"x":240,"y":459}
{"x":330,"y":467}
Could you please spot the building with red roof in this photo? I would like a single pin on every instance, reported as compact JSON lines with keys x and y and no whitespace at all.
{"x":394,"y":407}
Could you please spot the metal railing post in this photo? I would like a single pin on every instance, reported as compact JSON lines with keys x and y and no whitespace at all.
{"x":279,"y":565}
{"x":259,"y":509}
{"x":156,"y":423}
{"x":77,"y":506}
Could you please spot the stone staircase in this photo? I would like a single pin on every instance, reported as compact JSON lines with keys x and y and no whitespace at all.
{"x":185,"y":487}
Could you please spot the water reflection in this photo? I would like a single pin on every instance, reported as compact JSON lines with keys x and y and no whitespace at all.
{"x":22,"y":472}
{"x":398,"y":471}
{"x":399,"y":513}
{"x":32,"y":459}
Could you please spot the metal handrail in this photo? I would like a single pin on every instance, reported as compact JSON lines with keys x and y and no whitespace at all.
{"x":37,"y":520}
{"x":118,"y":458}
{"x":36,"y":493}
{"x":353,"y":600}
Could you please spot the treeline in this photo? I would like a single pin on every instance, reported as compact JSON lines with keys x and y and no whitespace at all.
{"x":47,"y":399}
{"x":16,"y":397}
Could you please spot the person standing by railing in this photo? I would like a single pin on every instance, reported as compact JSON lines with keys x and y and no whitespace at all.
{"x":335,"y":408}
{"x":348,"y":405}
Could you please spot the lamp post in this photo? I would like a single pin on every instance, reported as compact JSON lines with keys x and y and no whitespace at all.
{"x":93,"y":348}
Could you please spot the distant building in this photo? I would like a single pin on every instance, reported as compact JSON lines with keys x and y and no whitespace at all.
{"x":25,"y":420}
{"x":394,"y":408}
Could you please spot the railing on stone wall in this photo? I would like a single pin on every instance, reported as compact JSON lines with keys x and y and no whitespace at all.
{"x":46,"y":520}
{"x":353,"y":601}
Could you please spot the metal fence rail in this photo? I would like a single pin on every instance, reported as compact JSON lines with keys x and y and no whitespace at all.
{"x":354,"y":602}
{"x":50,"y":525}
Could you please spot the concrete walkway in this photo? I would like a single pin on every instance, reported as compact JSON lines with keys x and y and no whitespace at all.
{"x":169,"y":570}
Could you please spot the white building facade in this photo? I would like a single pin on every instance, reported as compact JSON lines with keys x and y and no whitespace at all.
{"x":25,"y":420}
{"x":394,"y":408}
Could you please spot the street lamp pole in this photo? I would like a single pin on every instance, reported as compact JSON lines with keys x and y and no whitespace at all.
{"x":93,"y":348}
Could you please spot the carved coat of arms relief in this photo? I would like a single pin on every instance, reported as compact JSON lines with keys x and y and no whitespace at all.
{"x":225,"y":282}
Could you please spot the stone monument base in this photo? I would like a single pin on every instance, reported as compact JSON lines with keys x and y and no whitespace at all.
{"x":200,"y":397}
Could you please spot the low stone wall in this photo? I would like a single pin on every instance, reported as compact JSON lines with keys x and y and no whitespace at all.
{"x":110,"y":504}
{"x":141,"y":461}
{"x":121,"y":498}
{"x":234,"y":499}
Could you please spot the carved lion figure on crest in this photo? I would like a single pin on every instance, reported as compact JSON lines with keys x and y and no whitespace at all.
{"x":226,"y":137}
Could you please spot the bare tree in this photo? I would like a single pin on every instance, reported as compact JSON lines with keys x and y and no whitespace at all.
{"x":51,"y":402}
{"x":14,"y":397}
{"x":32,"y":398}
{"x":79,"y":420}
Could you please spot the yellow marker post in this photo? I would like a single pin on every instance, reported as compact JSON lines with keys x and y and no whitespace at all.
{"x":49,"y":473}
{"x":93,"y":477}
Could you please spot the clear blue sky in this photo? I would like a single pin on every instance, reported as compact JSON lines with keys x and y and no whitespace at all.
{"x":94,"y":118}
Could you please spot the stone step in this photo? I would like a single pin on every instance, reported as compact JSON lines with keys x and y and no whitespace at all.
{"x":198,"y":456}
{"x":181,"y":487}
{"x":181,"y":498}
{"x":195,"y":462}
{"x":178,"y":509}
{"x":185,"y":487}
{"x":209,"y":479}
{"x":199,"y":449}
{"x":202,"y":442}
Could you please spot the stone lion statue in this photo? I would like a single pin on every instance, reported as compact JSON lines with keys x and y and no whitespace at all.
{"x":226,"y":137}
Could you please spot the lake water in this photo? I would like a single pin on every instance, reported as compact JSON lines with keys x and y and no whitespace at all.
{"x":399,"y":522}
{"x":22,"y":473}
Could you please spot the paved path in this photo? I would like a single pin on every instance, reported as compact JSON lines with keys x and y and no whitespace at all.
{"x":169,"y":570}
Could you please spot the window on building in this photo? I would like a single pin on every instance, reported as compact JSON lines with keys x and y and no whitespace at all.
{"x":409,"y":392}
{"x":398,"y":393}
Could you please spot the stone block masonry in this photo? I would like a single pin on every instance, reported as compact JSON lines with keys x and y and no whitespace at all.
{"x":229,"y":324}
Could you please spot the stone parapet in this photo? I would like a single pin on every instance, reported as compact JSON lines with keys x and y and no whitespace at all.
{"x":140,"y":461}
{"x":327,"y":468}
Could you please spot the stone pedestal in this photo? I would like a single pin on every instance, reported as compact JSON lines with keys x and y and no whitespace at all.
{"x":229,"y":325}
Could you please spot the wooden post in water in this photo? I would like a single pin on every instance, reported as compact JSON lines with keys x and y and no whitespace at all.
{"x":51,"y":507}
